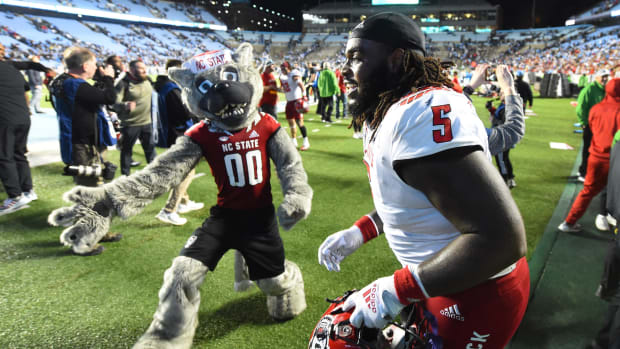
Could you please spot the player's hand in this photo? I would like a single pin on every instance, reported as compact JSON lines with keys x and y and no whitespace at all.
{"x":505,"y":81}
{"x":479,"y":76}
{"x":339,"y":245}
{"x":375,"y":305}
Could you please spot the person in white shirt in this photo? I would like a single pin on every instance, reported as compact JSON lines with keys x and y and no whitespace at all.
{"x":443,"y":208}
{"x":293,"y":88}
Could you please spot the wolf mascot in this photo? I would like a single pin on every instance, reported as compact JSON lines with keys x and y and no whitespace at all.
{"x":237,"y":141}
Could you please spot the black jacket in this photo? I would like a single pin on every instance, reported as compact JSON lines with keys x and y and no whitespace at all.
{"x":524,"y":90}
{"x":13,"y":108}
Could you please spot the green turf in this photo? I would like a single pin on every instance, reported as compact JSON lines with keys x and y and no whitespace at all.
{"x":52,"y":299}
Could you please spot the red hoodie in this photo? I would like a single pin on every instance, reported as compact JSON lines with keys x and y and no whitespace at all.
{"x":604,"y":120}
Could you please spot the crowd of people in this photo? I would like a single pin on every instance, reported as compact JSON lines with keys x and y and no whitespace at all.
{"x":460,"y":239}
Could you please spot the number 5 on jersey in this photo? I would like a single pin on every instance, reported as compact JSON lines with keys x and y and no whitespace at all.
{"x":440,"y":118}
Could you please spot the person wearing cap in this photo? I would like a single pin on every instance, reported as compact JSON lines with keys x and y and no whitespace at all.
{"x":268,"y":103}
{"x":328,"y":88}
{"x":445,"y":211}
{"x":293,"y":88}
{"x":590,"y":95}
{"x":524,"y":90}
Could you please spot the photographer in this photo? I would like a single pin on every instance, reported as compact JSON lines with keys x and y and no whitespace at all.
{"x":85,"y":101}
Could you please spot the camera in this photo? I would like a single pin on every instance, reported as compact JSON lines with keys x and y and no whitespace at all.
{"x":490,"y":74}
{"x":106,"y":171}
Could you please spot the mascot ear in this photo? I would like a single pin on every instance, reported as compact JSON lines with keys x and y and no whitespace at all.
{"x":183,"y":77}
{"x":244,"y":54}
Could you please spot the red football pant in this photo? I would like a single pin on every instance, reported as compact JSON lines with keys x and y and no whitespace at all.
{"x":485,"y":316}
{"x":596,"y":180}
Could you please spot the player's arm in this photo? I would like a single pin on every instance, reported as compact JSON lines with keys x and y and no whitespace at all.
{"x":343,"y":243}
{"x":464,"y":186}
{"x":301,"y":86}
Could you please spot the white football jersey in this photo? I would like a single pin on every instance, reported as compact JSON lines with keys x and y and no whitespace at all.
{"x":291,"y":89}
{"x":420,"y":124}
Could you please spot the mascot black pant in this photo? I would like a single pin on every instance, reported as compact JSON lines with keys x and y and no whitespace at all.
{"x":14,"y":165}
{"x":254,"y":233}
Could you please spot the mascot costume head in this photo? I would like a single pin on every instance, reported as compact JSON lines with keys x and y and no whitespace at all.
{"x":222,"y":86}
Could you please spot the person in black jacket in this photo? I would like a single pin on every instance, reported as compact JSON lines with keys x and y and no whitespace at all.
{"x":85,"y":101}
{"x":14,"y":127}
{"x":174,"y":119}
{"x":524,"y":90}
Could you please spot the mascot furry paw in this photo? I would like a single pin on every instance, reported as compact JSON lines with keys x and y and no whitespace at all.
{"x":239,"y":143}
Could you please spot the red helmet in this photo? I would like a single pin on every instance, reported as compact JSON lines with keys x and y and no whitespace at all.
{"x":301,"y":105}
{"x":334,"y":331}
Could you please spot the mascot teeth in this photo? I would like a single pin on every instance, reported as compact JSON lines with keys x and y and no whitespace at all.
{"x":230,"y":110}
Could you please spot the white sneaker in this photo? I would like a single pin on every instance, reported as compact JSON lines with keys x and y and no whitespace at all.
{"x":611,"y":220}
{"x":31,"y":195}
{"x":357,"y":135}
{"x":601,"y":223}
{"x":11,"y":205}
{"x":306,"y":144}
{"x":570,"y":228}
{"x":170,"y":217}
{"x":511,"y":183}
{"x":190,"y":206}
{"x":295,"y":142}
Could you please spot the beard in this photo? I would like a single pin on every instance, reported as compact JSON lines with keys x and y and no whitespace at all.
{"x":364,"y":100}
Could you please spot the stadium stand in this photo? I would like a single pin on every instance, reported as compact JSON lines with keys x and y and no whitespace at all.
{"x":570,"y":50}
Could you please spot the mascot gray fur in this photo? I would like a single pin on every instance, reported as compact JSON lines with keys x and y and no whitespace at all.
{"x":217,"y":96}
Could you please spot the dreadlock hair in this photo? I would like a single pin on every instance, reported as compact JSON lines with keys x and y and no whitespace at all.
{"x":417,"y":72}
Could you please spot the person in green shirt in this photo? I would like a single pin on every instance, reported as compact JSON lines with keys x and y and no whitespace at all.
{"x":328,"y":87}
{"x":590,"y":95}
{"x":133,"y":106}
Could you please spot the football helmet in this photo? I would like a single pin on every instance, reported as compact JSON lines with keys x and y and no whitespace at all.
{"x":335,"y":331}
{"x":301,"y":105}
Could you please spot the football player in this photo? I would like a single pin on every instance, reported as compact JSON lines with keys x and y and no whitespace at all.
{"x":444,"y":209}
{"x":293,"y":89}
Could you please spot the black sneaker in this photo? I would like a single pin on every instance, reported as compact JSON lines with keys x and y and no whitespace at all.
{"x":98,"y":250}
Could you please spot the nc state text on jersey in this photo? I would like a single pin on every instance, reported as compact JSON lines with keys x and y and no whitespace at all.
{"x":241,"y":145}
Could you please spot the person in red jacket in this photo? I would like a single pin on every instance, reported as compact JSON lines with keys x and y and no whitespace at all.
{"x":341,"y":98}
{"x":269,"y":101}
{"x":604,"y":121}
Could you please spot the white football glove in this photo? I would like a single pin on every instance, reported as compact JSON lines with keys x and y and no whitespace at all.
{"x":339,"y":245}
{"x":375,"y":305}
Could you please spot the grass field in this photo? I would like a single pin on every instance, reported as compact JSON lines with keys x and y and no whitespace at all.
{"x":50,"y":298}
